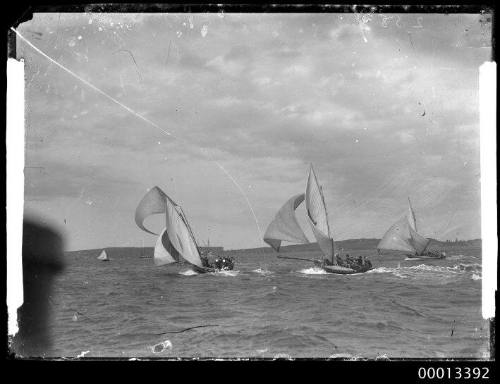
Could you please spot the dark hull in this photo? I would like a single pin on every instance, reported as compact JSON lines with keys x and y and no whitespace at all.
{"x":208,"y":269}
{"x":340,"y":270}
{"x":344,"y":270}
{"x":425,"y":257}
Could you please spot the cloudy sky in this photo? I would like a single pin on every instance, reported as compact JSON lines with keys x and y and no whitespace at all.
{"x":385,"y":106}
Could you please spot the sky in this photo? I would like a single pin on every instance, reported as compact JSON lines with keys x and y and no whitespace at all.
{"x":227,"y":111}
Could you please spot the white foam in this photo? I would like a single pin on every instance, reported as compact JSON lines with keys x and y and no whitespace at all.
{"x":227,"y":273}
{"x":83,"y":354}
{"x":476,"y":277}
{"x":188,"y":272}
{"x":343,"y":356}
{"x":430,"y":270}
{"x":261,"y":271}
{"x":313,"y":271}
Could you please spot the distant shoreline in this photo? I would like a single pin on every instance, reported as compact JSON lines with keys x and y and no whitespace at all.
{"x":350,"y":244}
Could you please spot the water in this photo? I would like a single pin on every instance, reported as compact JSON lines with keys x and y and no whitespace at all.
{"x":269,"y":307}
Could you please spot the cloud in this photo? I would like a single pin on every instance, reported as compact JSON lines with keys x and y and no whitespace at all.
{"x":384,"y":109}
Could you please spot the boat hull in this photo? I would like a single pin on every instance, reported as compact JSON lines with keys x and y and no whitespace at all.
{"x":344,"y":270}
{"x":340,"y":270}
{"x":432,"y":256}
{"x":209,"y":269}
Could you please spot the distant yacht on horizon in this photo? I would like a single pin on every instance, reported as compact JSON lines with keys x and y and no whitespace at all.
{"x":403,"y":236}
{"x":103,"y":256}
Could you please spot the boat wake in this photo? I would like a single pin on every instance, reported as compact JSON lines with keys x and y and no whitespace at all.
{"x":433,"y":271}
{"x":313,"y":271}
{"x":263,"y":272}
{"x":345,"y":356}
{"x":227,"y":273}
{"x":188,"y":272}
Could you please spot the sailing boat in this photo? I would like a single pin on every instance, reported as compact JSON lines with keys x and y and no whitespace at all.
{"x":403,"y":236}
{"x":285,"y":227}
{"x":103,"y":256}
{"x":176,"y":243}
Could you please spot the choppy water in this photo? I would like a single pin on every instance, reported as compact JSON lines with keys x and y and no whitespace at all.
{"x":269,"y":307}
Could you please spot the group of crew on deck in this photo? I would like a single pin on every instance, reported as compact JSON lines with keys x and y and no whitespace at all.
{"x":220,"y":263}
{"x":350,"y":262}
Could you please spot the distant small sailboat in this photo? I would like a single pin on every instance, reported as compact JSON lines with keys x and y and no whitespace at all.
{"x":285,"y":227}
{"x":403,"y":236}
{"x":176,"y":243}
{"x":103,"y":256}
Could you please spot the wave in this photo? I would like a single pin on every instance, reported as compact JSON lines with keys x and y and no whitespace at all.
{"x":313,"y":271}
{"x":430,"y":270}
{"x":227,"y":273}
{"x":474,"y":267}
{"x":161,"y":347}
{"x":263,"y":272}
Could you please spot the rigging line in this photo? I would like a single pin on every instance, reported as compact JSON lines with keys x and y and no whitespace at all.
{"x":138,"y":115}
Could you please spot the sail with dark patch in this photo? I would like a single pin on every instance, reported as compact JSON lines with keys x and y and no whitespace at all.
{"x":285,"y":226}
{"x":164,"y":252}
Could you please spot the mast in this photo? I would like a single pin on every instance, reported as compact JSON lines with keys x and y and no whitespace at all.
{"x":327,"y":223}
{"x":320,"y":210}
{"x":326,"y":212}
{"x":412,"y":215}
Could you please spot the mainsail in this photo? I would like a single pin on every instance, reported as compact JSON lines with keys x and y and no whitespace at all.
{"x":317,"y":215}
{"x":402,"y":237}
{"x":177,"y":239}
{"x":285,"y":226}
{"x":103,"y":256}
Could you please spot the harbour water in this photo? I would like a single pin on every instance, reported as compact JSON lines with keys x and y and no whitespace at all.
{"x":269,"y":307}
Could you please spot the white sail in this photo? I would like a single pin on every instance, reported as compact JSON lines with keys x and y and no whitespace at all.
{"x":153,"y":202}
{"x":317,"y":215}
{"x":411,"y":216}
{"x":180,"y":235}
{"x":103,"y":256}
{"x":179,"y":239}
{"x":285,"y":226}
{"x":402,"y":237}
